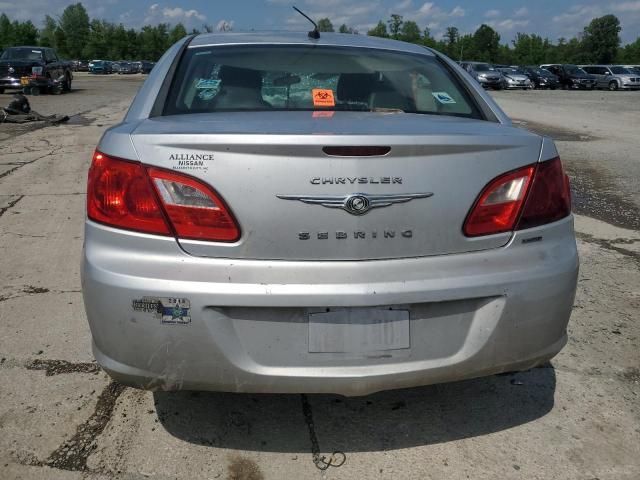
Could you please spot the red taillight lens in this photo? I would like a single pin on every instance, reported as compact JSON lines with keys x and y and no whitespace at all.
{"x":550,"y":196}
{"x":127,"y":195}
{"x":195,"y":210}
{"x":525,"y":198}
{"x":119,"y":194}
{"x":499,"y":205}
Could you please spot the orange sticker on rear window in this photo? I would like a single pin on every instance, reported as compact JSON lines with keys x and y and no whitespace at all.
{"x":323,"y":97}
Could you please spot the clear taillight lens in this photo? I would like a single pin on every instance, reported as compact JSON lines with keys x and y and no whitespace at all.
{"x":528,"y":197}
{"x":195,"y":210}
{"x":499,"y":205}
{"x":127,"y":195}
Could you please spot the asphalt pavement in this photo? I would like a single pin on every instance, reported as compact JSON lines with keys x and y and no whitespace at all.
{"x":61,"y":417}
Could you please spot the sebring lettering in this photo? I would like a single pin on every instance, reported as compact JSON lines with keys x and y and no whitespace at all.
{"x":356,"y":235}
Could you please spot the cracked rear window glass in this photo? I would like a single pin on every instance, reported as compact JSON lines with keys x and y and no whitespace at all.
{"x":277,"y":77}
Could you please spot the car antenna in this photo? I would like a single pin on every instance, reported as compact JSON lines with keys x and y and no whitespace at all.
{"x":315,"y":33}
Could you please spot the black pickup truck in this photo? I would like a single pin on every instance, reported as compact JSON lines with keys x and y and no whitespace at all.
{"x":34,"y":70}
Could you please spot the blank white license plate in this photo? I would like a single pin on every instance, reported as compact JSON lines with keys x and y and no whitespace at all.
{"x":358,"y":330}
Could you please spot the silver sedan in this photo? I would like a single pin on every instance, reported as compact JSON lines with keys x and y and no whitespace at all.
{"x":348,"y":214}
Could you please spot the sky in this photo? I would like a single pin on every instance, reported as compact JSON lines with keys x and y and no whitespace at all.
{"x":550,"y":18}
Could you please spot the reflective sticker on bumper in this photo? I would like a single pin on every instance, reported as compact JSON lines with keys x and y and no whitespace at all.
{"x":172,"y":311}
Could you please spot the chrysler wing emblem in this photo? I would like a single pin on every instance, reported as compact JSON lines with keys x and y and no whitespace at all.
{"x":356,"y":203}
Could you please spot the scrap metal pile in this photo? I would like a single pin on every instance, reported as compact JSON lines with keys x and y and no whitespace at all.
{"x":19,"y":111}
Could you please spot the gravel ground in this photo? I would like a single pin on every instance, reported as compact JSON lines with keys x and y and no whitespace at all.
{"x":62,"y":418}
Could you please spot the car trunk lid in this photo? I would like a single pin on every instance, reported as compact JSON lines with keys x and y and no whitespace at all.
{"x":291,"y":199}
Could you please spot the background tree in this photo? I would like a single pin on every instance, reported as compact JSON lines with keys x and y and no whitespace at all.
{"x":630,"y":53}
{"x":25,"y":33}
{"x":6,"y":32}
{"x":48,"y":32}
{"x":325,"y":25}
{"x":97,"y":46}
{"x":177,"y":33}
{"x":409,"y":32}
{"x":75,"y":25}
{"x":395,"y":25}
{"x":427,"y":40}
{"x":451,"y":38}
{"x":77,"y":36}
{"x":345,"y":29}
{"x":380,"y":30}
{"x":486,"y":42}
{"x":601,"y":39}
{"x":530,"y":49}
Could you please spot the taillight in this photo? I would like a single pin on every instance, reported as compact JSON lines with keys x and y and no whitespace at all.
{"x":195,"y":210}
{"x":530,"y":196}
{"x":550,"y":196}
{"x":500,"y":203}
{"x":119,"y":194}
{"x":127,"y":195}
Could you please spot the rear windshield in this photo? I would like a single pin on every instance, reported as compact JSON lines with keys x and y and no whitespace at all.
{"x":483,"y":67}
{"x":293,"y":78}
{"x":620,"y":70}
{"x":21,"y":54}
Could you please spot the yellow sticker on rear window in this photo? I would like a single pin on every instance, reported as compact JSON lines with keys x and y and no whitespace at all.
{"x":323,"y":97}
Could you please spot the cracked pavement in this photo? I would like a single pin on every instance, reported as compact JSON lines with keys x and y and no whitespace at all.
{"x":61,"y":417}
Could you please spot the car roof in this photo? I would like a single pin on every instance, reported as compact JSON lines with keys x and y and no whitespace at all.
{"x":302,"y":38}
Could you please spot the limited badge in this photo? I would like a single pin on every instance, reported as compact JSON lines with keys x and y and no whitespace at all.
{"x":169,"y":310}
{"x":323,"y":97}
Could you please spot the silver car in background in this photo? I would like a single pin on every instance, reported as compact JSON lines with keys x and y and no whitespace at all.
{"x":613,"y":77}
{"x":347,"y":214}
{"x":516,"y":78}
{"x":485,"y":74}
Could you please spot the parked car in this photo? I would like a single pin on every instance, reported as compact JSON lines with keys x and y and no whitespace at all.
{"x":146,"y":67}
{"x":516,"y":78}
{"x":632,"y":68}
{"x":571,"y":76}
{"x":485,"y":74}
{"x":127,"y":68}
{"x":541,"y":78}
{"x":34,"y":70}
{"x":136,"y":67}
{"x":100,"y":67}
{"x":280,"y":231}
{"x":613,"y":77}
{"x":82,"y":66}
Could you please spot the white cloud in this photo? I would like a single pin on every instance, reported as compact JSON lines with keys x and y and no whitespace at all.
{"x":457,"y":12}
{"x":225,"y":25}
{"x":627,"y":6}
{"x":492,"y":13}
{"x":158,"y":13}
{"x":521,"y":12}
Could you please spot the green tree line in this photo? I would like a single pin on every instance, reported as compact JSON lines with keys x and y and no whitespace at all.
{"x":599,"y":42}
{"x":76,"y":36}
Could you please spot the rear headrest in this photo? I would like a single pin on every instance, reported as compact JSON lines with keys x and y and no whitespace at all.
{"x":240,"y":77}
{"x":355,"y":87}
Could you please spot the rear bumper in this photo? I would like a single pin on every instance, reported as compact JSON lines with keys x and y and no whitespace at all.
{"x":490,"y":83}
{"x":471,"y":314}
